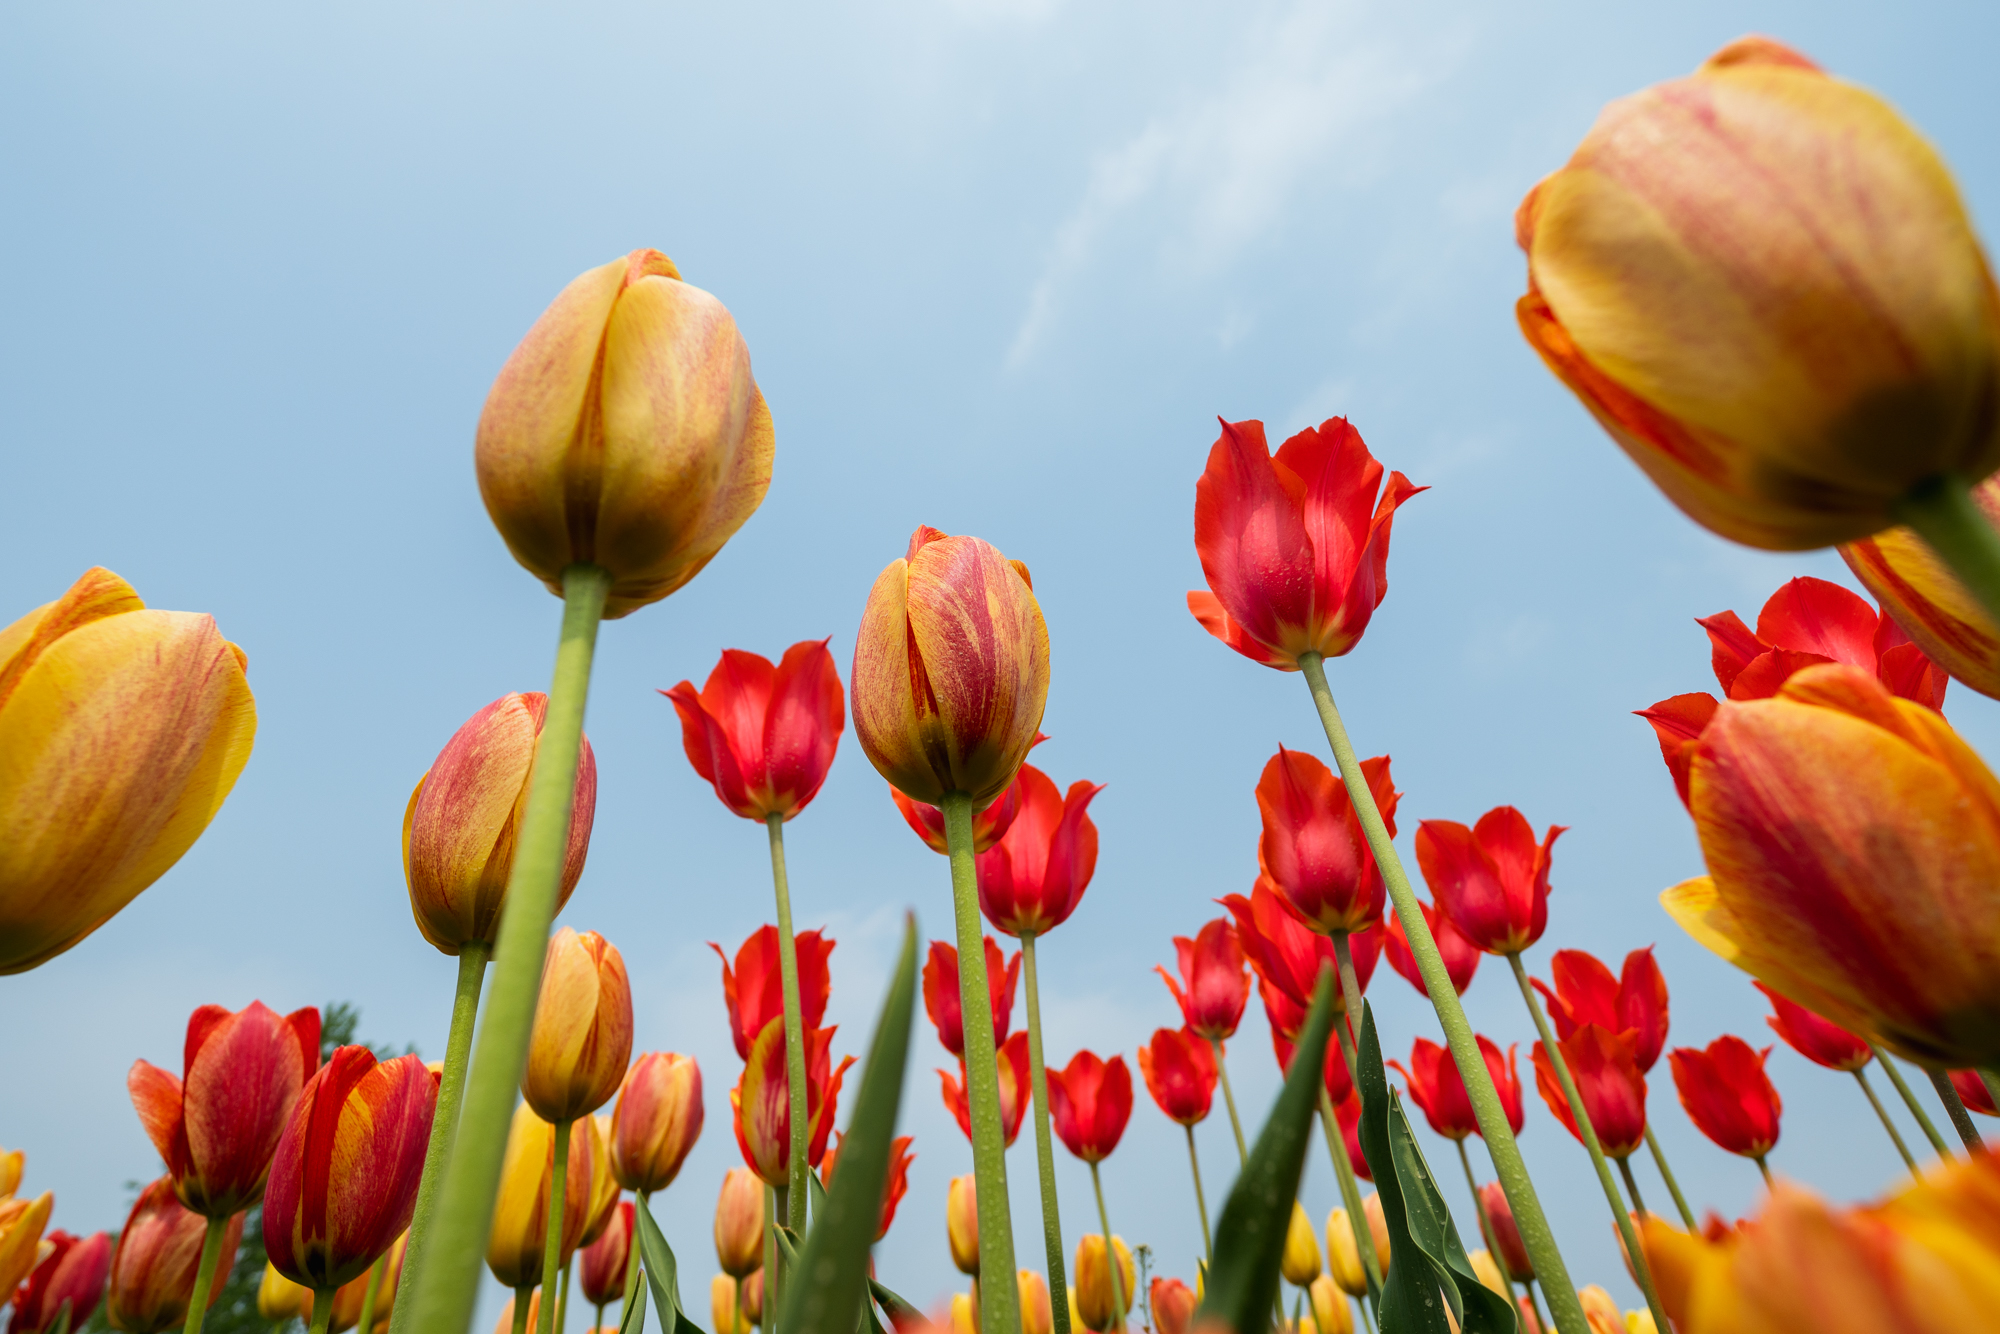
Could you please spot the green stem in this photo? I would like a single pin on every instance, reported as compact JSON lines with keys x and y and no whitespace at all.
{"x":1667,"y":1175}
{"x":795,"y":1033}
{"x":373,"y":1294}
{"x":1909,"y":1096}
{"x":1536,"y":1307}
{"x":737,"y":1324}
{"x":322,"y":1313}
{"x":1485,"y":1230}
{"x":1950,"y":521}
{"x":597,"y":1321}
{"x":472,"y":957}
{"x":1992,"y":1082}
{"x":1045,"y":1152}
{"x":1110,"y":1254}
{"x":562,"y":1297}
{"x":1229,"y":1100}
{"x":204,"y":1276}
{"x":449,"y":1285}
{"x":1200,"y":1200}
{"x":545,"y":1319}
{"x":522,"y":1297}
{"x":1588,"y":1134}
{"x":1367,"y":1321}
{"x":1861,"y":1078}
{"x":632,"y":1262}
{"x":1000,"y":1297}
{"x":1631,"y":1183}
{"x":1765,"y":1168}
{"x":1349,"y":1019}
{"x":779,"y":1274}
{"x":1961,"y":1120}
{"x":1350,"y":1196}
{"x":1508,"y":1164}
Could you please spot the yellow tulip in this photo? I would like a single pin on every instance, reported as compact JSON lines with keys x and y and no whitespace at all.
{"x":521,"y":1213}
{"x":1343,"y":1257}
{"x":1488,"y":1272}
{"x":21,"y":1224}
{"x":722,"y":1306}
{"x":1037,"y":1317}
{"x":11,"y":1165}
{"x":1331,"y":1313}
{"x":1093,"y":1281}
{"x":965,"y":1311}
{"x":1600,"y":1311}
{"x":605,"y":1191}
{"x":279,"y":1299}
{"x":582,"y":1036}
{"x":1300,"y":1261}
{"x":961,"y":1223}
{"x":121,"y":732}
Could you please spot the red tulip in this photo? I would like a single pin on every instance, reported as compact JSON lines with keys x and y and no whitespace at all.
{"x":218,"y":1129}
{"x":1605,"y":1067}
{"x":344,"y":1179}
{"x":1972,"y":1091}
{"x":1333,"y":1068}
{"x":1091,"y":1100}
{"x":1179,"y":1069}
{"x":1435,"y":1086}
{"x":755,"y":990}
{"x":1313,"y":850}
{"x":1818,"y":1040}
{"x":606,"y":1259}
{"x":1214,"y":986}
{"x":74,"y":1271}
{"x":1491,"y":879}
{"x":764,"y":736}
{"x":942,"y":1001}
{"x":1287,"y":955}
{"x":893,"y":1189}
{"x":762,"y":1104}
{"x":1635,"y":1001}
{"x":1727,"y":1094}
{"x":1015,"y":1090}
{"x":989,"y":822}
{"x":1506,"y":1233}
{"x":1033,"y":878}
{"x":1173,"y":1304}
{"x":1295,"y":548}
{"x":1678,"y":723}
{"x":153,"y":1266}
{"x":1461,"y":956}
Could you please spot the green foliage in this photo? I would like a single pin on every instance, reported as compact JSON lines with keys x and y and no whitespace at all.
{"x":662,"y":1274}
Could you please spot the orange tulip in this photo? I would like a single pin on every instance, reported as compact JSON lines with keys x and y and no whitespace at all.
{"x":739,"y":1222}
{"x":1943,"y":619}
{"x":123,"y":730}
{"x":605,"y":1191}
{"x":608,"y":1259}
{"x":625,"y":431}
{"x":582,"y":1038}
{"x":656,"y":1121}
{"x":153,"y":1266}
{"x":21,"y":1224}
{"x":1763,"y":283}
{"x":961,"y":1223}
{"x":1093,"y":1281}
{"x":505,"y":1324}
{"x":521,"y":1213}
{"x":951,"y":669}
{"x":1852,"y":842}
{"x":1172,"y":1305}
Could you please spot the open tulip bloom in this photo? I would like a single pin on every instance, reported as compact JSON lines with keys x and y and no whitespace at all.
{"x":1180,"y":1072}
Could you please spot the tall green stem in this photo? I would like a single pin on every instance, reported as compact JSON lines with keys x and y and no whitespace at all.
{"x":1485,"y":1225}
{"x":1861,"y":1078}
{"x":1909,"y":1096}
{"x":1961,"y":1120}
{"x":1667,"y":1175}
{"x":322,"y":1313}
{"x":449,"y":1285}
{"x":472,"y":957}
{"x":1992,"y":1082}
{"x":1000,"y":1297}
{"x":1950,"y":521}
{"x":780,"y":1272}
{"x":1045,"y":1152}
{"x":1229,"y":1100}
{"x":562,"y":1298}
{"x":1200,"y":1200}
{"x":1588,"y":1134}
{"x":1508,"y":1165}
{"x":1350,"y":1196}
{"x":373,"y":1294}
{"x":204,"y":1277}
{"x":795,"y":1033}
{"x":1118,"y":1306}
{"x":1632,"y":1183}
{"x":545,"y":1319}
{"x":1765,"y":1168}
{"x":632,"y":1262}
{"x":524,"y":1297}
{"x":1534,"y":1306}
{"x":771,"y":1248}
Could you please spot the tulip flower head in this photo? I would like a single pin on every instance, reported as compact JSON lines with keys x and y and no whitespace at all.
{"x":1093,"y":1282}
{"x":1179,"y":1069}
{"x":1331,"y":1313}
{"x":124,"y":731}
{"x":529,"y":1320}
{"x":21,"y":1224}
{"x":724,"y":1318}
{"x":626,"y":432}
{"x":1506,"y":1233}
{"x":951,"y":670}
{"x":1033,"y":877}
{"x":582,"y":1037}
{"x":1014,"y":1088}
{"x":1715,"y":274}
{"x":656,"y":1121}
{"x":74,"y":1271}
{"x":1295,"y":547}
{"x":1299,"y":1262}
{"x":606,"y":1260}
{"x":1633,"y":1002}
{"x":1927,"y":601}
{"x":153,"y":1265}
{"x":1213,"y":986}
{"x":989,"y":822}
{"x":1343,"y":1257}
{"x":761,"y":1101}
{"x":1491,"y":879}
{"x":961,"y":1220}
{"x":1287,"y":955}
{"x":1037,"y":1312}
{"x":1972,"y":1091}
{"x":764,"y":736}
{"x":1461,"y":957}
{"x":464,"y":815}
{"x":217,"y":1129}
{"x":941,"y":997}
{"x":754,"y":990}
{"x":1605,"y":1068}
{"x":1436,"y":1086}
{"x":605,"y":1191}
{"x":1172,"y":1305}
{"x":1090,"y":1101}
{"x":1313,"y":850}
{"x":521,"y":1213}
{"x":279,"y":1299}
{"x":1852,"y":840}
{"x":893,"y":1188}
{"x":1820,"y":1041}
{"x":739,"y":1222}
{"x":1727,"y":1094}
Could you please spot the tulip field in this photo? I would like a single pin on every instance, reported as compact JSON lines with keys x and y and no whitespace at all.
{"x":1759,"y":280}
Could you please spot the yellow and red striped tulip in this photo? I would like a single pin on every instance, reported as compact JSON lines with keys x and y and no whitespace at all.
{"x":1852,"y":842}
{"x":465,"y":813}
{"x":1763,"y":283}
{"x":607,"y":1259}
{"x":582,"y":1038}
{"x":1093,"y":1281}
{"x":961,"y":1222}
{"x":122,"y":730}
{"x":521,"y":1212}
{"x":605,"y":1192}
{"x":1937,"y":611}
{"x":153,"y":1267}
{"x":656,"y":1121}
{"x":625,"y":431}
{"x":762,"y":1104}
{"x":739,"y":1222}
{"x":951,"y":669}
{"x":70,"y":1276}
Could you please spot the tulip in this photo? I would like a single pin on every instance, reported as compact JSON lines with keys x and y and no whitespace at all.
{"x":1945,"y":621}
{"x":154,"y":1265}
{"x":754,"y":990}
{"x":1492,"y":879}
{"x":656,"y":1120}
{"x":1015,"y":1090}
{"x":344,"y":1179}
{"x":124,"y":731}
{"x":1600,"y":1310}
{"x":1343,"y":1255}
{"x":1635,"y":1001}
{"x":1101,"y":1295}
{"x":761,"y":1101}
{"x":1504,"y":1233}
{"x":1295,"y":548}
{"x":1287,"y":956}
{"x":764,"y":736}
{"x":1347,"y":1113}
{"x":1435,"y":1086}
{"x":1461,"y":957}
{"x":739,"y":1222}
{"x":1037,"y":1315}
{"x":989,"y":822}
{"x":280,"y":1300}
{"x":11,"y":1166}
{"x":582,"y":1038}
{"x":1605,"y":1066}
{"x":217,"y":1130}
{"x":1180,"y":1074}
{"x":1313,"y":850}
{"x":753,"y":1298}
{"x":1378,"y":1226}
{"x":1818,"y":1040}
{"x":606,"y":1260}
{"x":722,"y":1306}
{"x":521,"y":1213}
{"x":529,"y":1318}
{"x":1331,"y":1313}
{"x":894,"y":1187}
{"x":1728,"y":1096}
{"x":1299,"y":1262}
{"x":1487,"y":1270}
{"x":1736,"y":312}
{"x":1091,"y":1100}
{"x":961,"y":1223}
{"x":1851,"y":840}
{"x":941,"y":999}
{"x":1214,"y":986}
{"x":1033,"y":877}
{"x":605,"y":1192}
{"x":965,"y":1311}
{"x":1972,"y":1091}
{"x":73,"y":1272}
{"x":1811,"y":621}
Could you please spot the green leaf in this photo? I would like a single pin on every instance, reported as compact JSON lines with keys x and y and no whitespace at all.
{"x":661,"y":1271}
{"x":829,"y":1284}
{"x":1250,"y":1235}
{"x":815,"y":1195}
{"x":1428,"y":1267}
{"x":635,"y":1316}
{"x":900,"y":1311}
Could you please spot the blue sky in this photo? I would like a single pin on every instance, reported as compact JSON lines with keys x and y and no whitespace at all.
{"x":1000,"y":264}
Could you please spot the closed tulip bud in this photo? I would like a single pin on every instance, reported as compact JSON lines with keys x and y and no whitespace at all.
{"x":74,"y":1273}
{"x":1608,"y":1080}
{"x":965,"y":1311}
{"x":739,"y":1222}
{"x":606,"y":1260}
{"x":464,"y":815}
{"x":217,"y":1129}
{"x":1172,"y":1303}
{"x":124,"y":730}
{"x":753,"y":1299}
{"x":951,"y":670}
{"x":604,"y":1188}
{"x":521,"y":1213}
{"x":1313,"y":850}
{"x":1300,"y":1261}
{"x":1093,"y":1282}
{"x":762,"y":1104}
{"x":1033,"y":877}
{"x":1726,"y":1093}
{"x":1179,"y":1069}
{"x":1037,"y":1315}
{"x":279,"y":1299}
{"x":1506,"y":1233}
{"x":1945,"y":622}
{"x":1343,"y":1256}
{"x":153,"y":1266}
{"x":582,"y":1038}
{"x":1214,"y":986}
{"x":1763,"y":284}
{"x":1818,"y":1040}
{"x":1331,"y":1313}
{"x":764,"y":736}
{"x":1378,"y":1227}
{"x":1090,"y":1101}
{"x":1487,"y":1269}
{"x":941,"y":994}
{"x":344,"y":1179}
{"x":722,"y":1306}
{"x":961,"y":1223}
{"x":625,"y":431}
{"x":1491,"y":879}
